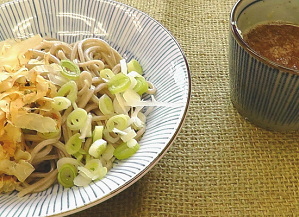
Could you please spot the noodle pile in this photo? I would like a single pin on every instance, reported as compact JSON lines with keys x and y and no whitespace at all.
{"x":34,"y":135}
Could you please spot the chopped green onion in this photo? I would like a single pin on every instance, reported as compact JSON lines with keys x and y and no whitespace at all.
{"x":60,"y":103}
{"x":132,"y":79}
{"x":142,"y":86}
{"x":106,"y":74}
{"x":130,"y":134}
{"x":66,"y":174}
{"x":76,"y":119}
{"x":123,"y":151}
{"x":131,"y":97}
{"x":82,"y":180}
{"x":97,"y":148}
{"x":82,"y":151}
{"x":106,"y":105}
{"x":131,"y":143}
{"x":88,"y":157}
{"x":67,"y":160}
{"x":120,"y":122}
{"x":70,"y":90}
{"x":108,"y":153}
{"x":97,"y":169}
{"x":93,"y":169}
{"x":97,"y":133}
{"x":79,"y":156}
{"x":123,"y":66}
{"x":86,"y":129}
{"x":119,"y":83}
{"x":134,"y":65}
{"x":112,"y":138}
{"x":119,"y":104}
{"x":137,"y":118}
{"x":93,"y":164}
{"x":74,"y":144}
{"x":70,"y":70}
{"x":120,"y":132}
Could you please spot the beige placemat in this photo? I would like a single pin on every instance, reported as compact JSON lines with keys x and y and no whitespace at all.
{"x":219,"y":165}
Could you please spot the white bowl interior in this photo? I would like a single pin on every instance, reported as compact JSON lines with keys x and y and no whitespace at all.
{"x":249,"y":13}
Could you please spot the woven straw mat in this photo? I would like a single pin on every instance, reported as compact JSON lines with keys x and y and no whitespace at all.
{"x":220,"y":164}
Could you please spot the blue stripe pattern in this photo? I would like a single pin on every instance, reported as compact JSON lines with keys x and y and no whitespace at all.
{"x":267,"y":96}
{"x":135,"y":35}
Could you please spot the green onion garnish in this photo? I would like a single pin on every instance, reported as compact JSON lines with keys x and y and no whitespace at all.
{"x":123,"y":151}
{"x":106,"y":105}
{"x":69,"y":90}
{"x":76,"y":119}
{"x":74,"y":144}
{"x":70,"y":70}
{"x":66,"y":175}
{"x":106,"y":74}
{"x":60,"y":103}
{"x":97,"y":133}
{"x":119,"y":83}
{"x":142,"y":86}
{"x":134,"y":65}
{"x":120,"y":122}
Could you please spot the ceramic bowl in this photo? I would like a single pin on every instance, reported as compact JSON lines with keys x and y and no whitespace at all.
{"x":262,"y":91}
{"x":134,"y":35}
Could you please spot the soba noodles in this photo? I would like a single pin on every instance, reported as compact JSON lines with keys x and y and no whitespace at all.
{"x":67,"y":111}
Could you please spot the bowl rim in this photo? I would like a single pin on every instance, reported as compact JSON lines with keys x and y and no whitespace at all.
{"x":143,"y":172}
{"x":236,"y":34}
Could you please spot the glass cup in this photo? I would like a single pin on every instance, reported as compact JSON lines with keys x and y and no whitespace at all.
{"x":265,"y":93}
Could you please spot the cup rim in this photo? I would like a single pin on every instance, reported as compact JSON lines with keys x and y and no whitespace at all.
{"x":236,"y":33}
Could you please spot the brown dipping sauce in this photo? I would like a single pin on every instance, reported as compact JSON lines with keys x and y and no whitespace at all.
{"x":277,"y":42}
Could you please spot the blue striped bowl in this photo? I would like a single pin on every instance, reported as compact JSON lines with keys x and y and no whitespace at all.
{"x":133,"y":34}
{"x":264,"y":92}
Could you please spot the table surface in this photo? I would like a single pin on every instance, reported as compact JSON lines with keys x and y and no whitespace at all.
{"x":220,"y":164}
